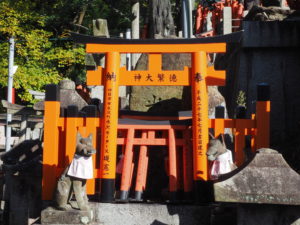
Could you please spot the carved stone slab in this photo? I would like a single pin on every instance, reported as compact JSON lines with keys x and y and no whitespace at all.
{"x":266,"y":179}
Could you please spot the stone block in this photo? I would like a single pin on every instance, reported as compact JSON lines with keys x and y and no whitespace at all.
{"x":266,"y":179}
{"x":129,"y":214}
{"x":147,"y":214}
{"x":100,"y":28}
{"x":51,"y":215}
{"x":269,"y":53}
{"x":68,"y":96}
{"x":271,"y":34}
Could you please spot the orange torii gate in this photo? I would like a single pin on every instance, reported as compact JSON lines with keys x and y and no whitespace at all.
{"x":199,"y":76}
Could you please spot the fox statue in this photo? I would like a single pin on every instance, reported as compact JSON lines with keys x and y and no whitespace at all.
{"x":73,"y":179}
{"x":220,"y":157}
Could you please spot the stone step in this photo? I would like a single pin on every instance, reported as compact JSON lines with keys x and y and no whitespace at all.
{"x":131,"y":214}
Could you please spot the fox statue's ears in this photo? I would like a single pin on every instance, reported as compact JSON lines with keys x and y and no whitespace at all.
{"x":223,"y":141}
{"x":78,"y":137}
{"x":222,"y":135}
{"x":90,"y":136}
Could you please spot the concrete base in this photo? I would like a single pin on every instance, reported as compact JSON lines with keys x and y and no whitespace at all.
{"x":131,"y":214}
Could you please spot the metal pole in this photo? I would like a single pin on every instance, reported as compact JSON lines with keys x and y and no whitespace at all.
{"x":123,"y":90}
{"x":128,"y":55}
{"x":184,"y":19}
{"x":9,"y":89}
{"x":189,"y":18}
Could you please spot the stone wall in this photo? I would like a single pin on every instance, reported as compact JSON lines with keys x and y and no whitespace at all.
{"x":268,"y":53}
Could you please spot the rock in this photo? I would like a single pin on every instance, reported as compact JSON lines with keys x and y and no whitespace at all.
{"x":167,"y":106}
{"x":68,"y":96}
{"x":168,"y":99}
{"x":67,"y":85}
{"x":263,"y":180}
{"x":143,"y":97}
{"x":71,"y":97}
{"x":100,"y":28}
{"x":259,"y":13}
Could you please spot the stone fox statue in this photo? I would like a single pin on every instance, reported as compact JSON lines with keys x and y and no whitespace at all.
{"x":220,"y":156}
{"x":73,"y":179}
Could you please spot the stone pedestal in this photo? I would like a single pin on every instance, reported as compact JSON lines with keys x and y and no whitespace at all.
{"x":74,"y":217}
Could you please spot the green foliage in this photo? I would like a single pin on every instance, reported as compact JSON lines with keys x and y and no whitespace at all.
{"x":40,"y":61}
{"x":241,"y":99}
{"x":40,"y":28}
